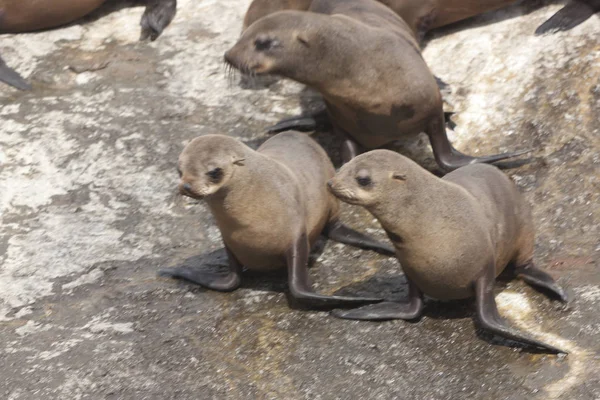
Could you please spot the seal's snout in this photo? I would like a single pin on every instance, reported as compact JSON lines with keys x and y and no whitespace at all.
{"x":185,"y":189}
{"x":227,"y":57}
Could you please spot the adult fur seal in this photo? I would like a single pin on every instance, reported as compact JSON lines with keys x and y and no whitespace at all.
{"x":270,"y":206}
{"x":453,"y":236}
{"x":423,"y":15}
{"x":365,"y":62}
{"x":31,"y":15}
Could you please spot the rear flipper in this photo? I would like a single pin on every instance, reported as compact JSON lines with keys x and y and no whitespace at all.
{"x":448,"y":157}
{"x":303,"y":123}
{"x":11,"y":77}
{"x":568,"y":17}
{"x":490,"y":320}
{"x":343,"y":234}
{"x":157,"y":17}
{"x":411,"y":309}
{"x":542,"y":280}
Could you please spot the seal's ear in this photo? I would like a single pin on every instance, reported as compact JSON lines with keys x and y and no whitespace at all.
{"x":302,"y":37}
{"x":398,"y":176}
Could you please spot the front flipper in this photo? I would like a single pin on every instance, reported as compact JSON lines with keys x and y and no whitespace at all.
{"x":489,"y":318}
{"x":157,"y":17}
{"x":448,"y":158}
{"x":411,"y":309}
{"x":568,"y":17}
{"x":343,"y":234}
{"x":11,"y":77}
{"x":541,"y":279}
{"x":300,"y":290}
{"x":303,"y":123}
{"x":226,"y":282}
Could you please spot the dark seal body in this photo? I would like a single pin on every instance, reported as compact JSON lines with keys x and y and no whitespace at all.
{"x":423,"y":15}
{"x":30,"y":15}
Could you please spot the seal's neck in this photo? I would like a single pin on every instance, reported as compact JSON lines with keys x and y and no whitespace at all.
{"x":412,"y":214}
{"x":236,"y":203}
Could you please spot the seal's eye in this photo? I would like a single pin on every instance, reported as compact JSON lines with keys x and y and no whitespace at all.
{"x":363,"y":180}
{"x":263,"y":43}
{"x":215,"y":175}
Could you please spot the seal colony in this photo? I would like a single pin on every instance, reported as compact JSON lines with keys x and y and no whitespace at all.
{"x":453,"y":236}
{"x":31,"y":15}
{"x":365,"y":62}
{"x":270,"y":205}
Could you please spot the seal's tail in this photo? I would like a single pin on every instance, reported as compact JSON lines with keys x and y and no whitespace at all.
{"x":11,"y":77}
{"x":568,"y":17}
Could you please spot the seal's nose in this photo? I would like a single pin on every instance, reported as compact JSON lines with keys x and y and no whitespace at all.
{"x":187,"y":187}
{"x":227,"y":57}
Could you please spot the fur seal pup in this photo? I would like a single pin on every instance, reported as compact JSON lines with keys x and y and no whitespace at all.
{"x":31,"y":15}
{"x":453,"y":235}
{"x":365,"y":62}
{"x":270,"y":206}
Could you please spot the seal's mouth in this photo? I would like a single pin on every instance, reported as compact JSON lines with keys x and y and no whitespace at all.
{"x":247,"y":69}
{"x":345,"y":195}
{"x":193,"y":196}
{"x":186,"y":190}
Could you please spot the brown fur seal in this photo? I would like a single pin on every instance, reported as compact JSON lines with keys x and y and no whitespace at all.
{"x":31,"y":15}
{"x":365,"y":62}
{"x":270,"y":206}
{"x":423,"y":15}
{"x":453,"y":236}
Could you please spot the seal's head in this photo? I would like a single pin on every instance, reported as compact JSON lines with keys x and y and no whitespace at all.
{"x":275,"y":44}
{"x":208,"y":163}
{"x":373,"y":178}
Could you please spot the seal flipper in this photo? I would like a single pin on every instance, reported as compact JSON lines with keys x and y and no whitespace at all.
{"x":300,"y":290}
{"x":221,"y":282}
{"x":489,"y":318}
{"x":303,"y":123}
{"x":568,"y":17}
{"x":341,"y":233}
{"x":411,"y":309}
{"x":157,"y":16}
{"x":538,"y":277}
{"x":11,"y":77}
{"x":448,"y":157}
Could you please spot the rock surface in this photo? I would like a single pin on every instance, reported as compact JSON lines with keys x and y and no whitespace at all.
{"x":89,"y":213}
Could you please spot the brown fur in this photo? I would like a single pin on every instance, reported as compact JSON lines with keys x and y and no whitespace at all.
{"x":30,"y":15}
{"x":445,"y":230}
{"x":261,"y":8}
{"x":266,"y":197}
{"x":420,"y":15}
{"x":373,"y":79}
